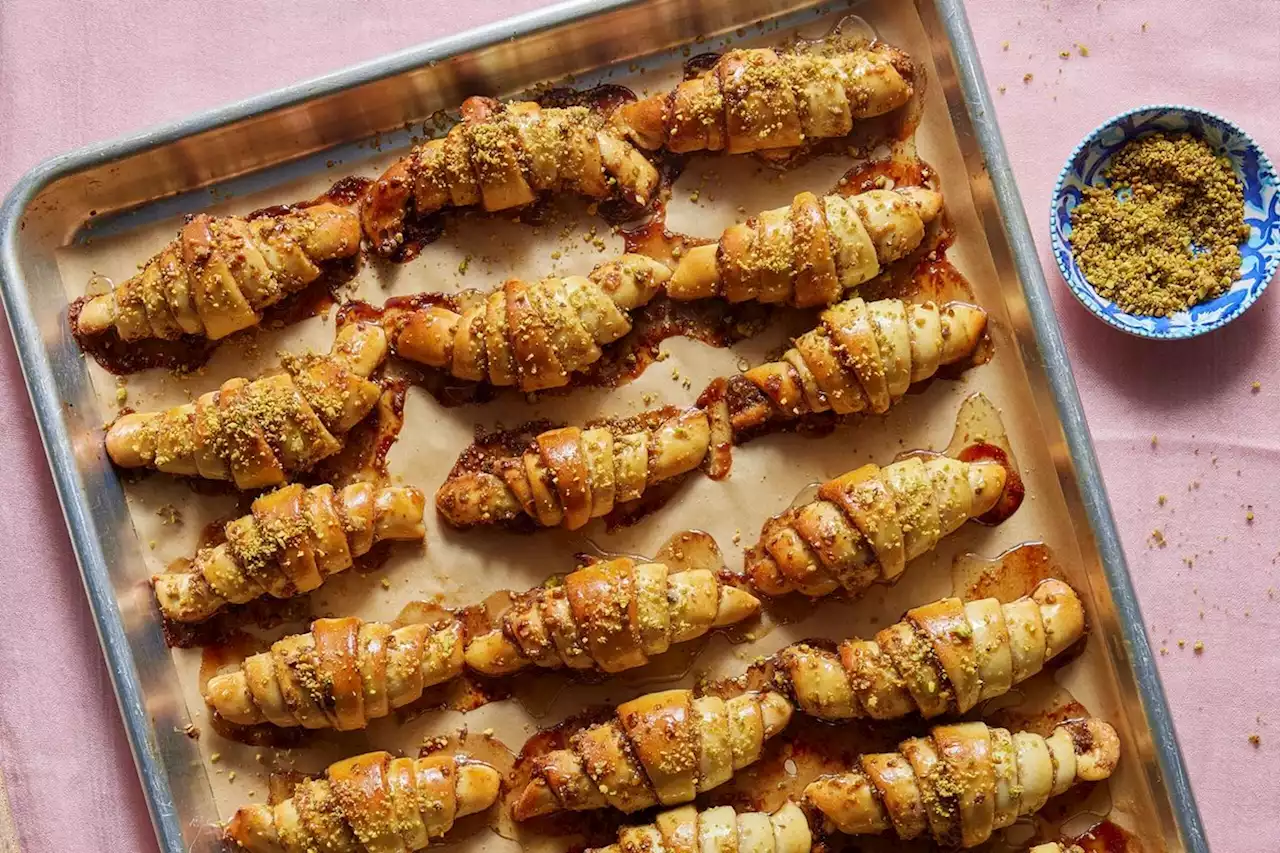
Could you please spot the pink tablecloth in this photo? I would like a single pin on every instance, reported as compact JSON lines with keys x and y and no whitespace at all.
{"x":74,"y":72}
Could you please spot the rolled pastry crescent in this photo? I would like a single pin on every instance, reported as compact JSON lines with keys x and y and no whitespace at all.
{"x":964,"y":781}
{"x":810,"y":253}
{"x":502,"y":156}
{"x":866,"y":525}
{"x":372,"y":802}
{"x":758,"y":99}
{"x":530,"y":335}
{"x":221,"y":272}
{"x":941,"y":658}
{"x":260,"y":433}
{"x":290,"y":543}
{"x":658,"y":749}
{"x":572,"y":475}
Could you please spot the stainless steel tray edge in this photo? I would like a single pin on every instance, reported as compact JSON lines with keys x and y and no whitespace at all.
{"x":92,"y":545}
{"x":1070,"y":410}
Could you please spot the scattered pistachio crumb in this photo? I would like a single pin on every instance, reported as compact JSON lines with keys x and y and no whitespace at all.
{"x":386,"y":584}
{"x":1182,"y":644}
{"x":215,"y":758}
{"x":1028,"y":77}
{"x":1065,"y":54}
{"x":231,"y":777}
{"x":1198,"y":648}
{"x":1001,"y":89}
{"x":1004,"y":45}
{"x":1248,"y":516}
{"x":1162,"y":500}
{"x":1084,"y":51}
{"x":1155,"y":441}
{"x":1255,"y":387}
{"x":1255,"y":740}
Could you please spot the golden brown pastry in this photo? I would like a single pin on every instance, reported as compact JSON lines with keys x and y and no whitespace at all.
{"x":661,"y":748}
{"x":864,"y":526}
{"x":609,"y":617}
{"x":293,"y":539}
{"x":862,"y":357}
{"x":757,"y":99}
{"x":964,"y":781}
{"x":502,"y":156}
{"x":260,"y":433}
{"x":341,"y":675}
{"x":942,"y":658}
{"x":531,"y":335}
{"x":810,"y":253}
{"x":221,"y":272}
{"x":1055,"y":847}
{"x":372,"y":803}
{"x":571,"y":475}
{"x":717,"y":830}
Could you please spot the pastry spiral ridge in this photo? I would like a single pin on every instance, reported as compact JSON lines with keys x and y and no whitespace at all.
{"x":258,"y":433}
{"x":531,"y":335}
{"x":502,"y":156}
{"x":221,"y":272}
{"x":611,"y":616}
{"x":863,"y":356}
{"x":573,"y":475}
{"x":687,"y":830}
{"x":661,"y":748}
{"x":865,"y":525}
{"x":964,"y":781}
{"x":809,"y":253}
{"x":341,"y":674}
{"x":942,"y":658}
{"x":757,"y":99}
{"x":293,"y":539}
{"x":371,"y":802}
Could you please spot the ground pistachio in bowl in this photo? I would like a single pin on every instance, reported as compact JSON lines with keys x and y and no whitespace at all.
{"x":1166,"y":222}
{"x":1163,"y":232}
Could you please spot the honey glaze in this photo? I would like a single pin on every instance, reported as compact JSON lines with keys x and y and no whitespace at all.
{"x":980,"y":435}
{"x":1006,"y":577}
{"x":345,"y":192}
{"x":1107,"y":837}
{"x":714,"y":322}
{"x":263,"y":613}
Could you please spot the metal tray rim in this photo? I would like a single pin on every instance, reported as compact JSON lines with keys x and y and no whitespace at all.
{"x":37,"y":372}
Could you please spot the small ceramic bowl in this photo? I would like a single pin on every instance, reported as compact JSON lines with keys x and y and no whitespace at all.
{"x":1259,"y":255}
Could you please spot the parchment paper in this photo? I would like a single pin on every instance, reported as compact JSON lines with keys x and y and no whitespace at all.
{"x":459,"y":568}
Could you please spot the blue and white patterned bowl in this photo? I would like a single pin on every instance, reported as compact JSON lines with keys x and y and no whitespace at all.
{"x":1260,"y":255}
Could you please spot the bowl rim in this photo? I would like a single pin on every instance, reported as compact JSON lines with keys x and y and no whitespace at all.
{"x":1060,"y":246}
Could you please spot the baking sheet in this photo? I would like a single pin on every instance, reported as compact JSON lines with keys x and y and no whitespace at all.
{"x":461,"y":568}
